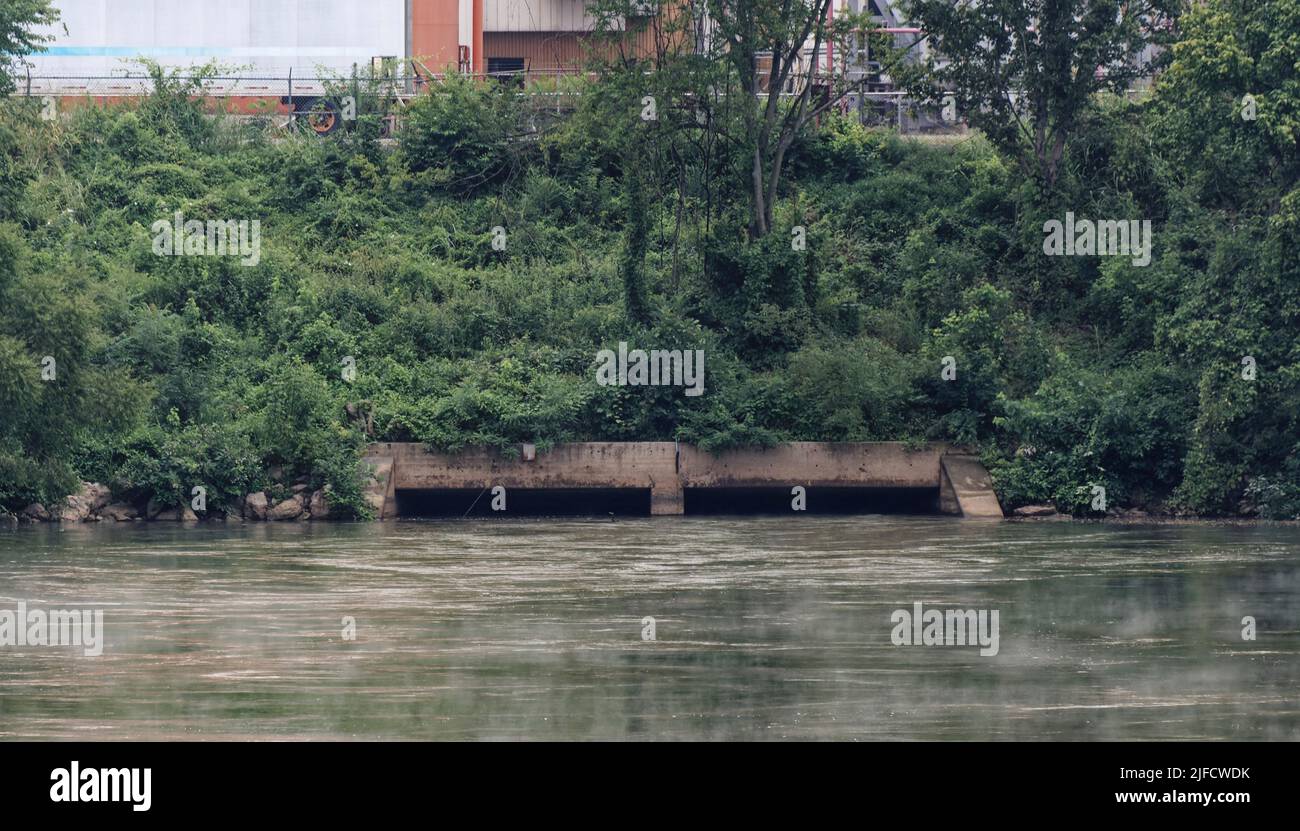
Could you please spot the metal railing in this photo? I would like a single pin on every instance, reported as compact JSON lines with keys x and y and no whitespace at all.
{"x":131,"y":84}
{"x":901,"y":112}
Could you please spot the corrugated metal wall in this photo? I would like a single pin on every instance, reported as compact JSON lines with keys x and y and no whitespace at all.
{"x":540,"y":50}
{"x":536,"y":16}
{"x":436,"y":33}
{"x":543,"y":51}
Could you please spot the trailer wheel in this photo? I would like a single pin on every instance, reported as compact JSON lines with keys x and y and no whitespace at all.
{"x":321,"y":115}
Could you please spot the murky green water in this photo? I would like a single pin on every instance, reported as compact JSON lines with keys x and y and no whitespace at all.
{"x":765,"y":628}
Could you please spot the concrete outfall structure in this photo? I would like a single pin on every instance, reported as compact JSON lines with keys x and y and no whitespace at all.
{"x":945,"y":479}
{"x":667,"y":469}
{"x":966,"y":488}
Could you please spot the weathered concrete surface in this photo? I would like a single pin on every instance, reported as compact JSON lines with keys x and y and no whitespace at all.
{"x":381,"y":489}
{"x":667,"y":500}
{"x":815,"y":464}
{"x":574,"y":465}
{"x":666,"y":468}
{"x":968,"y":483}
{"x":647,"y":465}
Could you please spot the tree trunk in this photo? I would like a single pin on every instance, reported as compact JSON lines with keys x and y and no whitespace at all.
{"x":758,"y":223}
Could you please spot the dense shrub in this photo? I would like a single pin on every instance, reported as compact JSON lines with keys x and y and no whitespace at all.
{"x":458,"y":138}
{"x":1070,"y":371}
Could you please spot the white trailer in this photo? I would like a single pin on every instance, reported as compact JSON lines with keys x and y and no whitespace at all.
{"x":262,"y":44}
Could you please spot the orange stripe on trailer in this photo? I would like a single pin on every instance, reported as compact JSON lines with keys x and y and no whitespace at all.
{"x":235,"y":104}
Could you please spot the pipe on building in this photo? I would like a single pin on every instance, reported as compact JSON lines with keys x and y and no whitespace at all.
{"x":408,"y":71}
{"x":830,"y":42}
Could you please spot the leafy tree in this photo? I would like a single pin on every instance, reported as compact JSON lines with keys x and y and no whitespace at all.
{"x":49,"y":381}
{"x":748,"y":74}
{"x":458,"y":137}
{"x":1024,"y":71}
{"x":1227,"y":110}
{"x":784,"y":32}
{"x":631,"y":264}
{"x":13,"y":179}
{"x":1227,"y":118}
{"x":18,"y":18}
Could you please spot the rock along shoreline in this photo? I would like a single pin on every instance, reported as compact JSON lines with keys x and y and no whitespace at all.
{"x":93,"y":502}
{"x":299,"y":503}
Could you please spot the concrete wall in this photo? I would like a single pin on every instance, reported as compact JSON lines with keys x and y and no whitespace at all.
{"x":966,"y":483}
{"x":576,"y":465}
{"x":815,"y":464}
{"x":666,"y":468}
{"x":650,"y":465}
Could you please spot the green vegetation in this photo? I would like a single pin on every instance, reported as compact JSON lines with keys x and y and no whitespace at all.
{"x":18,"y":38}
{"x":1071,"y":371}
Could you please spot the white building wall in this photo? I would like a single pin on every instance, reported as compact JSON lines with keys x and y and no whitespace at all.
{"x":466,"y":21}
{"x":267,"y":37}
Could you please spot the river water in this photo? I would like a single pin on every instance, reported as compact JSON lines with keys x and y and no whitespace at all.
{"x":764,"y":628}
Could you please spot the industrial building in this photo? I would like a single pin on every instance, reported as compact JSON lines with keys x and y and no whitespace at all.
{"x":279,"y":52}
{"x":273,"y":38}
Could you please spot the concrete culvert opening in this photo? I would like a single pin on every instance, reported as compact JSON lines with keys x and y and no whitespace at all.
{"x":668,"y":479}
{"x":536,"y":502}
{"x":818,"y":500}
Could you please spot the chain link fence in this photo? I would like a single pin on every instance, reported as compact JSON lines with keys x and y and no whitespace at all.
{"x":127,"y":85}
{"x":905,"y":114}
{"x":554,"y":89}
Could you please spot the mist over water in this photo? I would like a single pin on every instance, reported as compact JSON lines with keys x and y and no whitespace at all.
{"x":768,"y":627}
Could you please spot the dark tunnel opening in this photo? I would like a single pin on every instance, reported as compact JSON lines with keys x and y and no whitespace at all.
{"x":818,"y":500}
{"x":524,"y":502}
{"x":632,"y":502}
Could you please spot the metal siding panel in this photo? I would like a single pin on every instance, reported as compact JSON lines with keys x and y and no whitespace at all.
{"x":129,"y":25}
{"x":169,"y":25}
{"x":271,"y":35}
{"x":436,"y":32}
{"x":228,"y":23}
{"x":494,"y":15}
{"x":465,"y":10}
{"x":321,"y":23}
{"x":536,"y":16}
{"x":541,"y":51}
{"x":86,"y":24}
{"x":545,"y":51}
{"x":272,"y":23}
